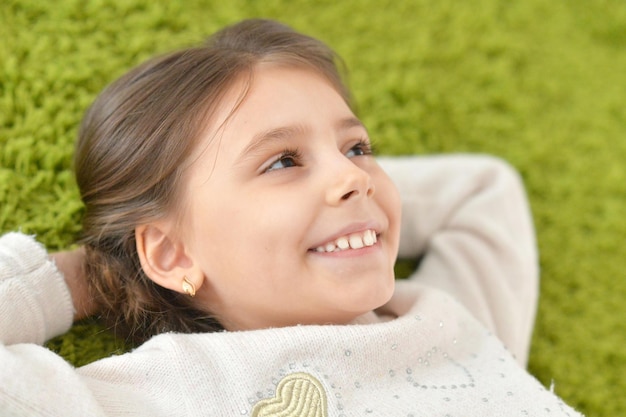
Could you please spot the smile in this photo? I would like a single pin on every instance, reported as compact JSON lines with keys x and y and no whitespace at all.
{"x":351,"y":241}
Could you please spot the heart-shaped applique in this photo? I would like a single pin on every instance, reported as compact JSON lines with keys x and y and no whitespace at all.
{"x":297,"y":395}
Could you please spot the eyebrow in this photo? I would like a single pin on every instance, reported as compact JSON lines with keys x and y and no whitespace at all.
{"x":268,"y":137}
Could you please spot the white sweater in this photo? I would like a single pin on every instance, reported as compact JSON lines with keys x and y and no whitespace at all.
{"x":474,"y":292}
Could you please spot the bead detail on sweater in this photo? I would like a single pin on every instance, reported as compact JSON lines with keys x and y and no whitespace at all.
{"x":298,"y":394}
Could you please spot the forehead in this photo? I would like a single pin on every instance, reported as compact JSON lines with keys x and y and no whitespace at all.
{"x":271,"y":101}
{"x":271,"y":95}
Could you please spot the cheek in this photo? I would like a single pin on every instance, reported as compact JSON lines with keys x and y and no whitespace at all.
{"x":250,"y":230}
{"x":209,"y":229}
{"x":389,"y":199}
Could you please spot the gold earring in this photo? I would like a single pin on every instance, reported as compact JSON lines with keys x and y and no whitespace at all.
{"x":188,"y":287}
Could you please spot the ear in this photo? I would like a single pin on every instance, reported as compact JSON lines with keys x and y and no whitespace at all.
{"x":163,"y":258}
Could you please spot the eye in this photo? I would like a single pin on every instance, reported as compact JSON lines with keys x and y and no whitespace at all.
{"x":363,"y":147}
{"x":288,"y":158}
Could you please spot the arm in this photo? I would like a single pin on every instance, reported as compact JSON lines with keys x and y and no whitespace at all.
{"x":469,"y":219}
{"x":35,"y":302}
{"x":71,"y":265}
{"x":35,"y":305}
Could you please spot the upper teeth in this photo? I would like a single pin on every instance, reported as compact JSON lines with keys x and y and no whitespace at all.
{"x":353,"y":241}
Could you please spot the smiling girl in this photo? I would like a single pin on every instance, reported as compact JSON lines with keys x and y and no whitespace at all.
{"x":237,"y":222}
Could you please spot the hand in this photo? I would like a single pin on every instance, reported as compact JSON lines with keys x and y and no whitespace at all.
{"x":71,"y":265}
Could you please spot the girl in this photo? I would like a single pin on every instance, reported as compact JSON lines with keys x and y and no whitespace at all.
{"x":236,"y":218}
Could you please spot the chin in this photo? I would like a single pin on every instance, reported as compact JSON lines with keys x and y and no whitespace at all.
{"x":377,"y":298}
{"x":384,"y":297}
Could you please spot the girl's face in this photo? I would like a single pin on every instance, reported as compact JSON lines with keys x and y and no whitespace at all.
{"x":281,"y":184}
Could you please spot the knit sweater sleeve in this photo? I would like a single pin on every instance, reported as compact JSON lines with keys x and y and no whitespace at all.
{"x":468,"y":219}
{"x":35,"y":303}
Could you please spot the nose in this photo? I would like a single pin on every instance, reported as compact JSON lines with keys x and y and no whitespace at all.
{"x":347,"y":181}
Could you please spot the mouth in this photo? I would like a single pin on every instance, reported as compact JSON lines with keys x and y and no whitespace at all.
{"x":351,"y":241}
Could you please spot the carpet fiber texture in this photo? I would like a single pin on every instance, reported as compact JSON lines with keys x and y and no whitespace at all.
{"x":539,"y":83}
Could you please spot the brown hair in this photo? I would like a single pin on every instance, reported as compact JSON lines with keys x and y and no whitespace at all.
{"x":132,"y":143}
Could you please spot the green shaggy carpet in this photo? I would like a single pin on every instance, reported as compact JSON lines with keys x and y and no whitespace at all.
{"x":539,"y":83}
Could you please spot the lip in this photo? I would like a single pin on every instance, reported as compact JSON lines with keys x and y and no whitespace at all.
{"x":358,"y":227}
